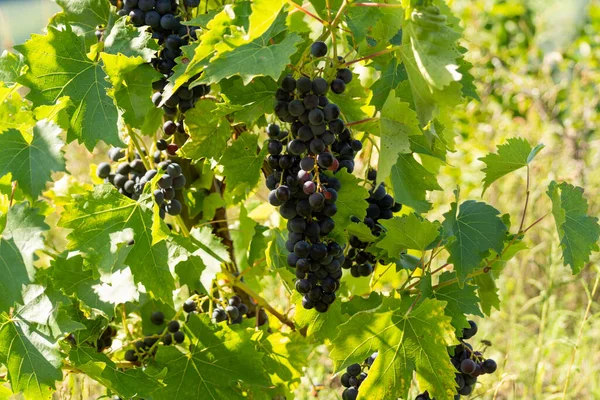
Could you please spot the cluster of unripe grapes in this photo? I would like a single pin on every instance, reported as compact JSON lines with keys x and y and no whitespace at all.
{"x":130,"y":178}
{"x":146,"y":347}
{"x":235,"y":311}
{"x":469,"y":364}
{"x":381,"y":206}
{"x":304,"y":160}
{"x":354,"y":376}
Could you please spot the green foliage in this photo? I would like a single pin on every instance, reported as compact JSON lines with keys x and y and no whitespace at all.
{"x":90,"y":79}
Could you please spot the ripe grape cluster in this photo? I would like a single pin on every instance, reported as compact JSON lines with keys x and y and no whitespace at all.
{"x":354,"y":376}
{"x":144,"y":348}
{"x":164,"y":19}
{"x":381,"y":206}
{"x":235,"y":311}
{"x":317,"y":141}
{"x":470,"y":365}
{"x":130,"y":178}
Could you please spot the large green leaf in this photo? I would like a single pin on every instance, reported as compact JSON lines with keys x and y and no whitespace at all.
{"x":131,"y":79}
{"x":411,"y":181}
{"x":25,"y":226}
{"x":515,"y":154}
{"x":256,"y":98}
{"x":14,"y":275}
{"x":59,"y":66}
{"x":15,"y":112}
{"x":209,"y":131}
{"x":406,"y":342}
{"x":84,"y":16}
{"x":578,"y":232}
{"x":218,"y":358}
{"x":407,"y":232}
{"x":242,"y":162}
{"x":472,"y":233}
{"x":31,"y":358}
{"x":397,"y":122}
{"x":11,"y":65}
{"x":459,"y":301}
{"x":390,"y":78}
{"x":260,"y":57}
{"x":126,"y":383}
{"x":130,"y":41}
{"x":31,"y":163}
{"x":101,"y":217}
{"x":319,"y":326}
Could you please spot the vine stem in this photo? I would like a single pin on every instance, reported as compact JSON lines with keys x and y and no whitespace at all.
{"x":526,"y":200}
{"x":124,"y":321}
{"x":259,"y":300}
{"x":376,"y":54}
{"x":136,"y":144}
{"x":305,"y":11}
{"x":583,"y":321}
{"x":362,"y":121}
{"x":380,"y":5}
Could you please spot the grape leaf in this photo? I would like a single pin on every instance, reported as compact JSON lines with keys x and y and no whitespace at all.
{"x":14,"y":274}
{"x":11,"y":65}
{"x":257,"y":58}
{"x":242,"y":162}
{"x":208,"y":129}
{"x":188,"y":267}
{"x":219,"y":357}
{"x":95,"y":217}
{"x":132,"y":93}
{"x":433,"y":47}
{"x":69,"y":275}
{"x":578,"y":232}
{"x":459,"y":301}
{"x":31,"y":163}
{"x":31,"y":358}
{"x":361,"y":231}
{"x":397,"y":123}
{"x":130,"y":41}
{"x":475,"y":230}
{"x":360,"y":21}
{"x":319,"y":326}
{"x":487,"y":292}
{"x":264,"y":13}
{"x":59,"y":66}
{"x":407,"y":232}
{"x":391,"y":77}
{"x":256,"y":97}
{"x":14,"y":112}
{"x":352,"y":200}
{"x":515,"y":154}
{"x":84,"y":16}
{"x":406,"y":342}
{"x":276,"y":252}
{"x":25,"y":226}
{"x":56,"y":113}
{"x":127,"y":383}
{"x":411,"y":181}
{"x":242,"y":237}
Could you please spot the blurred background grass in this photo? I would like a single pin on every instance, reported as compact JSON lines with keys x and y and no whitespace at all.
{"x":536,"y":65}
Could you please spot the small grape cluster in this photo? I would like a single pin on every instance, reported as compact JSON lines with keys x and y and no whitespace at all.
{"x":131,"y":177}
{"x":145,"y":347}
{"x":470,"y":365}
{"x":106,"y":338}
{"x":317,"y":141}
{"x":354,"y":376}
{"x":234,"y":312}
{"x":381,"y":206}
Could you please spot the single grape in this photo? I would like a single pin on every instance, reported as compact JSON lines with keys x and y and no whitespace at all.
{"x":318,"y":49}
{"x":173,"y":326}
{"x":157,"y":318}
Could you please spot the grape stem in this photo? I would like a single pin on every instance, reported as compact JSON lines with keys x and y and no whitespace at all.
{"x":376,"y":54}
{"x":526,"y":201}
{"x":362,"y":121}
{"x":305,"y":11}
{"x":236,"y":281}
{"x":136,"y":144}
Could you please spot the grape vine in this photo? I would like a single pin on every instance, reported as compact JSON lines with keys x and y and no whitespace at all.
{"x":199,"y":200}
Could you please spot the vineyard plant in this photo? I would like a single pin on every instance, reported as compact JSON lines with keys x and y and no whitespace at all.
{"x":196,"y":196}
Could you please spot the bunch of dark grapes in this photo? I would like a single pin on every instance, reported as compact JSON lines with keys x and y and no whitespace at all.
{"x":143,"y":348}
{"x":163,"y":17}
{"x":381,"y":206}
{"x":130,"y":178}
{"x":470,"y":365}
{"x":235,"y":311}
{"x":317,"y":141}
{"x":354,"y":376}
